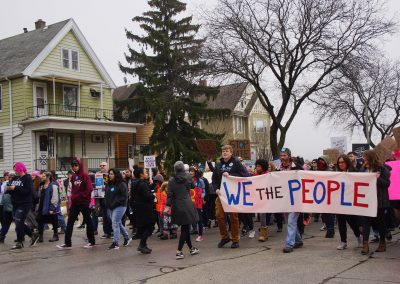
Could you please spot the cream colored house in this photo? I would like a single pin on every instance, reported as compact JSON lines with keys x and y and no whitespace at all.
{"x":249,"y":120}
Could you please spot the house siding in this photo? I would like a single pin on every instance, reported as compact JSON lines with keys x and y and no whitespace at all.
{"x":217,"y":126}
{"x":23,"y":146}
{"x":6,"y":163}
{"x":53,"y":62}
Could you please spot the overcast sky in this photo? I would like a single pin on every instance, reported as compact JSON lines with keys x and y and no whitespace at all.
{"x":103,"y":23}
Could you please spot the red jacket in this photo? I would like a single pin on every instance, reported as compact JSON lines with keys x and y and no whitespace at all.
{"x":81,"y":187}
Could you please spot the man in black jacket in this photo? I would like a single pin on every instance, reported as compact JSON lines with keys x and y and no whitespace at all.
{"x":229,"y":165}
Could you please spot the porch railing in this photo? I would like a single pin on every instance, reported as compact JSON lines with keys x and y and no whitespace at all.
{"x":69,"y":111}
{"x":93,"y":164}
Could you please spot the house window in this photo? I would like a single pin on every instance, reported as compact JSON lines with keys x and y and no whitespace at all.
{"x":259,"y":126}
{"x":239,"y":124}
{"x":70,"y":98}
{"x":1,"y":147}
{"x":70,"y":59}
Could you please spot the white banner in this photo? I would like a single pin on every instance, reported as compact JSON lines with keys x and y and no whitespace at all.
{"x":301,"y":191}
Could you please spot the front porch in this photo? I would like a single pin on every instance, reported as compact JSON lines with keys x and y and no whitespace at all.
{"x":57,"y":140}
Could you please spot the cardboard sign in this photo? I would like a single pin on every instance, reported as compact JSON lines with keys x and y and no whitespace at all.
{"x":301,"y":191}
{"x":394,"y":188}
{"x":359,"y":149}
{"x":333,"y":155}
{"x":99,"y":186}
{"x":339,"y":143}
{"x":396,"y":133}
{"x":206,"y":146}
{"x":385,"y":148}
{"x":150,"y":162}
{"x":241,"y":148}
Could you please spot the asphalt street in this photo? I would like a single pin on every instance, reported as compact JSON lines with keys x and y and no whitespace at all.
{"x":254,"y":262}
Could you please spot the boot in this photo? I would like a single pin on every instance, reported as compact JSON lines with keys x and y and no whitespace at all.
{"x":54,"y":238}
{"x":382,"y":246}
{"x":365,"y":249}
{"x":263,"y":234}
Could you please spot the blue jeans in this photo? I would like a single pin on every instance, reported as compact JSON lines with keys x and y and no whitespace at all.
{"x":330,"y":222}
{"x":61,"y":221}
{"x":20,"y":212}
{"x":293,"y":235}
{"x":116,"y":215}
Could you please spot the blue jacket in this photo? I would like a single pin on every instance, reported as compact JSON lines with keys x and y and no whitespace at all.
{"x":49,"y":199}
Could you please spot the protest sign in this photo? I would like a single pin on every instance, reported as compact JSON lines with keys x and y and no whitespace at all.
{"x":396,"y":133}
{"x":301,"y":191}
{"x":150,"y":162}
{"x":333,"y":155}
{"x":99,"y":188}
{"x":241,"y":148}
{"x":339,"y":143}
{"x":359,"y":149}
{"x":206,"y":146}
{"x":394,"y":189}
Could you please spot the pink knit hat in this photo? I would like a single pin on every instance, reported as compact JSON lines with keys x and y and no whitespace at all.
{"x":35,"y":174}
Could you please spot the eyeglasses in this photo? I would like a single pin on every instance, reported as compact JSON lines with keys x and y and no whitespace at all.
{"x":102,"y":165}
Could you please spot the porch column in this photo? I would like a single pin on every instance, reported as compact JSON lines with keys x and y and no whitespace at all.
{"x":101,"y":95}
{"x":54,"y":91}
{"x":52,"y":165}
{"x":83,"y":140}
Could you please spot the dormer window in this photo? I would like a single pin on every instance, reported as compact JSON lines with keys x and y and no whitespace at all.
{"x":70,"y":59}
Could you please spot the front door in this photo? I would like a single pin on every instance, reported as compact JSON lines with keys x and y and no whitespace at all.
{"x":39,"y":99}
{"x":42,"y":148}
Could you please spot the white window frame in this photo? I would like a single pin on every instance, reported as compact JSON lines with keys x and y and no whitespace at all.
{"x":1,"y":97}
{"x":263,"y":127}
{"x":237,"y":124}
{"x":77,"y":95}
{"x":70,"y":50}
{"x":2,"y":147}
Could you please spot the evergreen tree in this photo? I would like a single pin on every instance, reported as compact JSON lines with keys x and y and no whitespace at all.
{"x":168,"y":67}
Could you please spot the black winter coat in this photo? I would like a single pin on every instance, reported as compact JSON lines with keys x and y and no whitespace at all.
{"x":23,"y":192}
{"x":183,"y":211}
{"x":233,"y":167}
{"x":116,"y":195}
{"x":382,"y":187}
{"x":143,"y":203}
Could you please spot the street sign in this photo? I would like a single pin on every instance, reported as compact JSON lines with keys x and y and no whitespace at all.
{"x":241,"y":148}
{"x":150,"y":162}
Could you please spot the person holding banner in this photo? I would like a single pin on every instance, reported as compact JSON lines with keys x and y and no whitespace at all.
{"x":293,"y":238}
{"x":345,"y":165}
{"x":373,"y":164}
{"x":228,"y":165}
{"x":261,"y":168}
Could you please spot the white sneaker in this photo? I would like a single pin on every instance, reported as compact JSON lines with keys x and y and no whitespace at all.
{"x":252,"y":233}
{"x":323,"y":228}
{"x":89,"y":246}
{"x":359,"y":242}
{"x":342,"y":246}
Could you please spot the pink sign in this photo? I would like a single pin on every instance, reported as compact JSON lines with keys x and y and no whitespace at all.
{"x":394,"y":189}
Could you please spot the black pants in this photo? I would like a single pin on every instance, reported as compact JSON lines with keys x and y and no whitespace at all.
{"x":44,"y":219}
{"x":211,"y":206}
{"x":279,"y":220}
{"x":247,"y":220}
{"x":73,"y":214}
{"x":184,"y":237}
{"x":145,"y":232}
{"x":378,"y":221}
{"x":353,"y":222}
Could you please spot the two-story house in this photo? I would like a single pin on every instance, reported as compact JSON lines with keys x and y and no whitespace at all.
{"x":56,"y":101}
{"x":249,"y":120}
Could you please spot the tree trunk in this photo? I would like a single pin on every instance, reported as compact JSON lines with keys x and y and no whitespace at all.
{"x":273,"y":140}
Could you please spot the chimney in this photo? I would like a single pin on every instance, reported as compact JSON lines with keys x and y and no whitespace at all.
{"x":25,"y":30}
{"x":203,"y":83}
{"x":40,"y":24}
